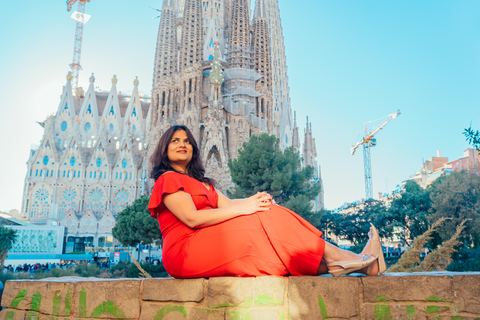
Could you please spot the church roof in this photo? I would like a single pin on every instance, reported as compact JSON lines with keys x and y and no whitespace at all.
{"x":123,"y":101}
{"x":6,"y":220}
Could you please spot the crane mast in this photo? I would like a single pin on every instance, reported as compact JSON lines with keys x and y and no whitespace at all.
{"x":368,"y":142}
{"x":77,"y":48}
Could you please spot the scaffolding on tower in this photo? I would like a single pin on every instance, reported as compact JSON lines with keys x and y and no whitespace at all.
{"x":81,"y":19}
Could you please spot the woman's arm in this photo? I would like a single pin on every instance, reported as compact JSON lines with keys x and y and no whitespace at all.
{"x":224,"y":201}
{"x":181,"y":205}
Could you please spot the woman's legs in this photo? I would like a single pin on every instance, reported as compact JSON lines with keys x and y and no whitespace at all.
{"x":334,"y":254}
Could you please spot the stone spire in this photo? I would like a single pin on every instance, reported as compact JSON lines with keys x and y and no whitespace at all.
{"x":261,"y":45}
{"x":309,"y":149}
{"x":240,"y":52}
{"x":295,"y":137}
{"x":166,"y":53}
{"x":281,"y":90}
{"x":165,"y":64}
{"x":262,"y":65}
{"x":192,"y":34}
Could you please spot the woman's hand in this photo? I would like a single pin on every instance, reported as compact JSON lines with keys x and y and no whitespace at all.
{"x":258,"y":202}
{"x":182,"y":206}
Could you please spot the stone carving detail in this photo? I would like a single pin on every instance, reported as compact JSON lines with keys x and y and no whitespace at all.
{"x":36,"y":241}
{"x":106,"y":223}
{"x":88,"y":223}
{"x":70,"y":221}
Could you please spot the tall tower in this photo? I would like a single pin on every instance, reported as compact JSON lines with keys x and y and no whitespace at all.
{"x":196,"y":35}
{"x":262,"y":65}
{"x":281,"y":89}
{"x":239,"y":50}
{"x":309,"y":159}
{"x":295,"y":137}
{"x":165,"y":64}
{"x":191,"y":47}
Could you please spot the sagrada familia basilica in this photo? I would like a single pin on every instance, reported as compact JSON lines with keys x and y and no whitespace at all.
{"x":216,"y":70}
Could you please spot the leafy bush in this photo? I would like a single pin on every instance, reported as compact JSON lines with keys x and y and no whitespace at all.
{"x":465,"y":265}
{"x":129,"y":270}
{"x":91,"y":270}
{"x":156,"y":271}
{"x":6,"y":276}
{"x":60,"y":272}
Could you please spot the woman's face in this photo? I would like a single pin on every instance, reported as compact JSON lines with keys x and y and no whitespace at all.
{"x":179,"y":150}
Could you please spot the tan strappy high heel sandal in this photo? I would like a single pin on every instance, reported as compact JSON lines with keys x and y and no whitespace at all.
{"x":376,"y":249}
{"x":351,"y":266}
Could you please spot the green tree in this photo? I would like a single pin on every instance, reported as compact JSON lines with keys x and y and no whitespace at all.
{"x":262,"y":166}
{"x":355,"y":226}
{"x":135,"y":225}
{"x":472,"y":137}
{"x":410,"y":211}
{"x":457,"y":197}
{"x":8,"y":237}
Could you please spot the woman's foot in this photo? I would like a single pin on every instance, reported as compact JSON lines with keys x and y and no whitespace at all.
{"x":367,"y":248}
{"x":376,"y":248}
{"x":367,"y":265}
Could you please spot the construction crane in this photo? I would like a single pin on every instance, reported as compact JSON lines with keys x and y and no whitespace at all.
{"x":81,"y":19}
{"x":368,"y":142}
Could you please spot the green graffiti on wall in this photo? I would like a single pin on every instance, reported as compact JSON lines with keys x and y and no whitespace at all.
{"x":68,"y":303}
{"x":19,"y":297}
{"x":323,"y":308}
{"x":167,"y":309}
{"x":410,"y":312}
{"x":82,"y":308}
{"x":264,"y":300}
{"x":110,"y":308}
{"x":237,"y":315}
{"x":57,"y":299}
{"x":382,"y":312}
{"x":36,"y":300}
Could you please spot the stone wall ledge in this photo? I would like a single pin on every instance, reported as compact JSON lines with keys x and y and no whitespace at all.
{"x":438,"y":295}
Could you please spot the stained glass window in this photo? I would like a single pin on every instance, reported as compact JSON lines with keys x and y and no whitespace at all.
{"x":96,"y":201}
{"x":121,"y":199}
{"x":41,"y":206}
{"x":68,"y":197}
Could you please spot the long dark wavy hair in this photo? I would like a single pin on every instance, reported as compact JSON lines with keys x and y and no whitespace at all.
{"x":161,"y":164}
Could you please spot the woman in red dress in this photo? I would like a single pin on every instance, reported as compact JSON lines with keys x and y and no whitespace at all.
{"x":205,"y":234}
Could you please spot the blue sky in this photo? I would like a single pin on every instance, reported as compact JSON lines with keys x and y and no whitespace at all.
{"x":349,"y":62}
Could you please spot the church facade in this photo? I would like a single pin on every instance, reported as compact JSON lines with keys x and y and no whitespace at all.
{"x":216,"y":70}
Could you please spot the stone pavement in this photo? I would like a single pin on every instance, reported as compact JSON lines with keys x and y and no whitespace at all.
{"x":393,"y":296}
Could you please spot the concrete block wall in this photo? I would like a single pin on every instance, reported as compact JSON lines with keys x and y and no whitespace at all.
{"x":393,"y":296}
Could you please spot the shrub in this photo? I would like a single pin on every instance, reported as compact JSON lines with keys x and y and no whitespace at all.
{"x":465,"y":265}
{"x":6,"y":276}
{"x":84,"y":270}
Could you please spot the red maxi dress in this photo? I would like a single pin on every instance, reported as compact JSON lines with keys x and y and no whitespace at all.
{"x":275,"y":242}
